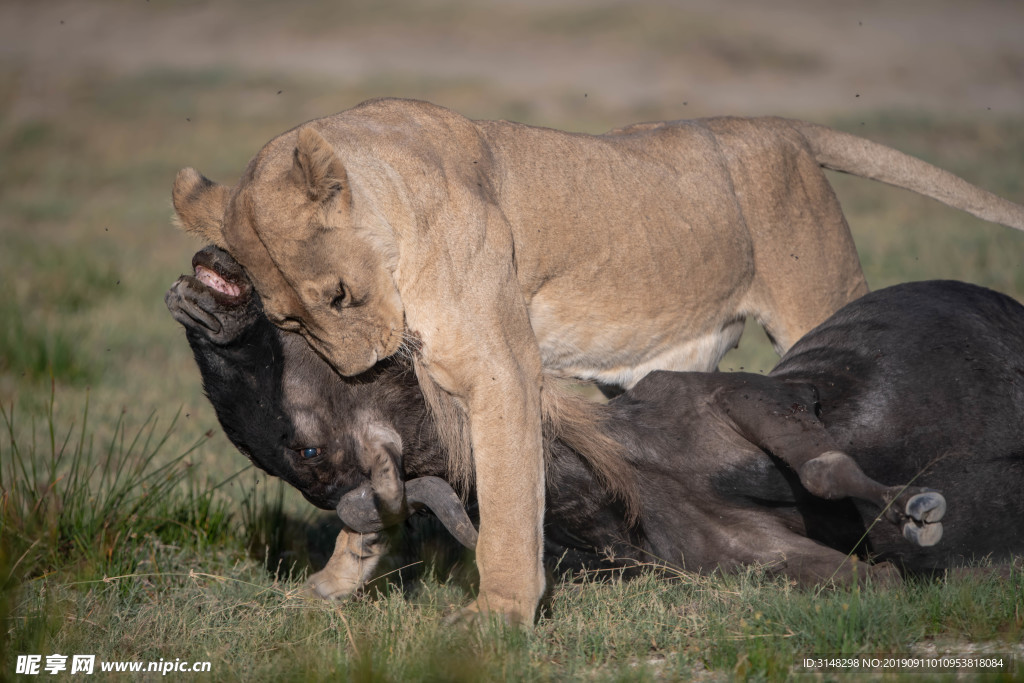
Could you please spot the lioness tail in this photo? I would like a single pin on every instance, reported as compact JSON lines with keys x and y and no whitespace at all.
{"x":847,"y":153}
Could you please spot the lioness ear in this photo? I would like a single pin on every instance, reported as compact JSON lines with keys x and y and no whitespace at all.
{"x":316,"y":168}
{"x":200,"y":204}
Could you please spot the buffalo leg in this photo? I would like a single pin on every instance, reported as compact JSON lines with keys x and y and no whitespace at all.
{"x":780,"y":418}
{"x":808,"y":563}
{"x":917,"y":510}
{"x":755,"y":536}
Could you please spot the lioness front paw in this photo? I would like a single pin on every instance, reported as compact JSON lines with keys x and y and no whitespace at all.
{"x":325,"y":586}
{"x":476,"y":614}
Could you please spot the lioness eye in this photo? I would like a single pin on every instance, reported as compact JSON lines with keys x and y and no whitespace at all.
{"x":310,"y":452}
{"x":339,"y":299}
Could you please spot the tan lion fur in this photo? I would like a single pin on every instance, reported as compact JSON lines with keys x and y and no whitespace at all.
{"x":514,"y":254}
{"x":566,"y":415}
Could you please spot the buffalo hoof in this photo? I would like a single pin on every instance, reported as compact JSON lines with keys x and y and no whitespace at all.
{"x":923,"y":512}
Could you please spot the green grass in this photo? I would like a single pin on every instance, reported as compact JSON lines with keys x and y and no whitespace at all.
{"x":72,"y":511}
{"x":125,"y":537}
{"x":103,"y":549}
{"x":67,"y":504}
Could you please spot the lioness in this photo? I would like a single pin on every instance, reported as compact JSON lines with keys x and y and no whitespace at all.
{"x":491,"y":250}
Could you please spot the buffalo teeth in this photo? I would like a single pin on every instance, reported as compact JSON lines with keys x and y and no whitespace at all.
{"x":216,"y":282}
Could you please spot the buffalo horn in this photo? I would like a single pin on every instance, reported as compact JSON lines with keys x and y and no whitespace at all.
{"x":437,"y":495}
{"x":359,"y":512}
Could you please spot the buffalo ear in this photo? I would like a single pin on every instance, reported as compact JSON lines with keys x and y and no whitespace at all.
{"x":316,"y":168}
{"x":200,"y":204}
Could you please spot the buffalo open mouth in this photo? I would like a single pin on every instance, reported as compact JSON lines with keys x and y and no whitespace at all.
{"x":217,"y":297}
{"x":216,"y":282}
{"x":215,"y":270}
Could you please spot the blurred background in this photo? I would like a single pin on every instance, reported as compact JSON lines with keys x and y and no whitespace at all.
{"x":101,"y":102}
{"x":112,"y":463}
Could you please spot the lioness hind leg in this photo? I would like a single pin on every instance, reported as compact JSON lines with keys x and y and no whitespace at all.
{"x":351,"y":565}
{"x":794,"y":311}
{"x":806,"y":265}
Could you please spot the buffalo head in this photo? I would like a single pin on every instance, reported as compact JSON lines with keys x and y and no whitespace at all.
{"x":338,"y":440}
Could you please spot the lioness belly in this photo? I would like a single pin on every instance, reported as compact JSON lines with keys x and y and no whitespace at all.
{"x":622,"y":354}
{"x":619,"y":320}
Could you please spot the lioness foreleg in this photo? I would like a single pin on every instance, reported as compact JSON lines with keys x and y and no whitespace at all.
{"x":353,"y":562}
{"x":503,"y":411}
{"x":478,"y":347}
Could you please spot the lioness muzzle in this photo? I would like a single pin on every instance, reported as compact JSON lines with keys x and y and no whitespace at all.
{"x":358,"y":509}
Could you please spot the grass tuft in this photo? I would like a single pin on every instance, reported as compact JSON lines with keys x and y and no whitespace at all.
{"x":70,"y":510}
{"x":64,"y":504}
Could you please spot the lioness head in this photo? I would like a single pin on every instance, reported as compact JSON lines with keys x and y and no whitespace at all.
{"x":282,"y":405}
{"x":321,"y":260}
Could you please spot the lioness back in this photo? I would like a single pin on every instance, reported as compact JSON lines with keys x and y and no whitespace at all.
{"x":646,"y":247}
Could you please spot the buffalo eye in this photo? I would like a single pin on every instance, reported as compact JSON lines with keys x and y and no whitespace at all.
{"x":310,"y":453}
{"x":340,"y":298}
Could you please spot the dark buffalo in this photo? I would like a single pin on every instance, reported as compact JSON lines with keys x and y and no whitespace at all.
{"x":919,"y":385}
